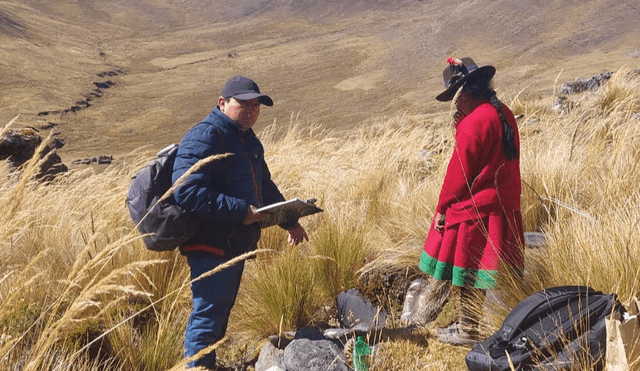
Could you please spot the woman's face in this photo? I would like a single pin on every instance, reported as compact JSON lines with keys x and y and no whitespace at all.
{"x":463,"y":103}
{"x":466,"y":103}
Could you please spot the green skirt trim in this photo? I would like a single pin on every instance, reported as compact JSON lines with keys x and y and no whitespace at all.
{"x":477,"y":278}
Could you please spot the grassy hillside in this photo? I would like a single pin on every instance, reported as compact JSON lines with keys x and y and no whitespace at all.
{"x":355,"y":125}
{"x":336,"y":64}
{"x":75,"y":270}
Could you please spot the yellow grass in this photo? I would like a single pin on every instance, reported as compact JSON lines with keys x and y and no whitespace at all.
{"x":72,"y":261}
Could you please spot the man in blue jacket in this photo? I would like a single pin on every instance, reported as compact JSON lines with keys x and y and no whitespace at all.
{"x":225,"y":194}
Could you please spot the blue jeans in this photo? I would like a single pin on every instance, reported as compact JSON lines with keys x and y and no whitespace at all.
{"x":213,"y":298}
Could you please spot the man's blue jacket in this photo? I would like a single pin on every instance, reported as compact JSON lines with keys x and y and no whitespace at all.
{"x":220,"y":192}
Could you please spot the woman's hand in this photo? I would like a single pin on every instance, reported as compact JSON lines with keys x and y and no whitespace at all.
{"x":438,"y":222}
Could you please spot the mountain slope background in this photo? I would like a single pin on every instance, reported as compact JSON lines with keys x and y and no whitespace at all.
{"x":114,"y":75}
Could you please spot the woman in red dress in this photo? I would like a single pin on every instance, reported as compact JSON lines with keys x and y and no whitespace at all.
{"x":477,"y":225}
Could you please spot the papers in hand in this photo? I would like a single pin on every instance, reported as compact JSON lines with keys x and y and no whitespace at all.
{"x":284,"y":211}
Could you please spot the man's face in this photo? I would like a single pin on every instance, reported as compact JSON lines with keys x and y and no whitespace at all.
{"x":244,"y":112}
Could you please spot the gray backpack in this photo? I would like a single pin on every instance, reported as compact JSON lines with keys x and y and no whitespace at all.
{"x":165,"y":225}
{"x":551,"y":330}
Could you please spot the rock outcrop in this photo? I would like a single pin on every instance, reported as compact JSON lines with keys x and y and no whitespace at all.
{"x":19,"y":146}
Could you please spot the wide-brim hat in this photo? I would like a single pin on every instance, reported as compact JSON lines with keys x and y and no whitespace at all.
{"x":243,"y":88}
{"x":460,"y":71}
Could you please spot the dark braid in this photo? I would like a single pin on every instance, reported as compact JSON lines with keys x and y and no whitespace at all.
{"x":508,"y":140}
{"x":484,"y":91}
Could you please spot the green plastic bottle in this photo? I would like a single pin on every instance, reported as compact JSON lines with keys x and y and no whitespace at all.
{"x":361,"y":353}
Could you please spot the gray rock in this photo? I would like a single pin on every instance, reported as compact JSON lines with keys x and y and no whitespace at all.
{"x":534,"y":239}
{"x":19,"y":145}
{"x":310,"y":355}
{"x":563,"y":104}
{"x":268,"y":357}
{"x":580,"y":85}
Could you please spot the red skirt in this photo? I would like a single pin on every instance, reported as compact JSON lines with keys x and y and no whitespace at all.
{"x":470,"y":252}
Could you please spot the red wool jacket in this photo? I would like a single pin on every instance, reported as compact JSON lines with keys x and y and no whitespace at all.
{"x":479,"y":180}
{"x":480,"y":198}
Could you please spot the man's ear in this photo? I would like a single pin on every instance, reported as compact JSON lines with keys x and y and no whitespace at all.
{"x":221,"y":103}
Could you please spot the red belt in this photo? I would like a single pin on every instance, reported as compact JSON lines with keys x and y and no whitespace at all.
{"x":205,"y":248}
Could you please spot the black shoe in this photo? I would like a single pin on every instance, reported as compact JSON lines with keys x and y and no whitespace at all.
{"x":456,"y":334}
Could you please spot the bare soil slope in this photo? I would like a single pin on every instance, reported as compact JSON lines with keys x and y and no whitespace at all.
{"x":113,"y":75}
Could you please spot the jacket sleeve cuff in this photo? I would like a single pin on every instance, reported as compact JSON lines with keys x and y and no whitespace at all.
{"x":289,"y":224}
{"x":239,"y":212}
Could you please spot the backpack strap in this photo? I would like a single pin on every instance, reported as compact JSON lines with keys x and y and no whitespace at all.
{"x":548,"y":297}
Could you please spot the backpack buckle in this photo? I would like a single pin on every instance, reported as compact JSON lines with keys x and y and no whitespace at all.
{"x":521,"y":343}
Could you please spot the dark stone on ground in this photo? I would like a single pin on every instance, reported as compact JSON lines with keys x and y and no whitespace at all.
{"x":310,"y":333}
{"x":100,"y":160}
{"x":104,"y":85}
{"x":357,"y":312}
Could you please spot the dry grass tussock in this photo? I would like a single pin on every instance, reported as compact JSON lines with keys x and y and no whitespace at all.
{"x":74,"y":270}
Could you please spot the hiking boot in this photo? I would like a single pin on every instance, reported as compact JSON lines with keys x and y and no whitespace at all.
{"x":457,"y":334}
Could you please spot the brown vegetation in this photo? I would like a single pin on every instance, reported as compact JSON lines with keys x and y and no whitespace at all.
{"x":335,"y":65}
{"x":76,"y":270}
{"x":354,"y":126}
